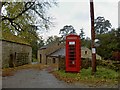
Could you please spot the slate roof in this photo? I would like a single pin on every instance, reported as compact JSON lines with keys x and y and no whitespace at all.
{"x":58,"y":52}
{"x":61,"y":52}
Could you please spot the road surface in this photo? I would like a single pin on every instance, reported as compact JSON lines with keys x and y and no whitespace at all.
{"x":31,"y":78}
{"x":35,"y":79}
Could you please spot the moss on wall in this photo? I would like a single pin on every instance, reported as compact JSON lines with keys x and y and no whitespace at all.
{"x":9,"y":37}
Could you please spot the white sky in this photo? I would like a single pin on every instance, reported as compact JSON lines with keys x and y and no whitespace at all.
{"x":77,"y":14}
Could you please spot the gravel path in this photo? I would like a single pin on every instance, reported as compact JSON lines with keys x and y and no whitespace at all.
{"x":35,"y":79}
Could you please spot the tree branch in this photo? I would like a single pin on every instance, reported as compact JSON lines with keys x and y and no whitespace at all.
{"x":26,"y":9}
{"x":15,"y":25}
{"x":19,"y":27}
{"x":41,"y":16}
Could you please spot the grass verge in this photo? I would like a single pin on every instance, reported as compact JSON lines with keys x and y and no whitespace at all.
{"x":101,"y":77}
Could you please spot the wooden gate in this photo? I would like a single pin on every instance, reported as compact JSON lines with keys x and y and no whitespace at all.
{"x":21,"y":59}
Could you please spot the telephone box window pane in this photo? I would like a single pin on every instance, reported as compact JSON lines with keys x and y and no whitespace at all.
{"x":71,"y":53}
{"x":72,"y":48}
{"x":71,"y":43}
{"x":72,"y":59}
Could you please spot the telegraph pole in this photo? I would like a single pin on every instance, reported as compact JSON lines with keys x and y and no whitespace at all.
{"x":93,"y":37}
{"x":0,"y":7}
{"x":0,"y":11}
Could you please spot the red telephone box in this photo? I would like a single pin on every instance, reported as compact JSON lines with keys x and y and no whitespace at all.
{"x":73,"y":53}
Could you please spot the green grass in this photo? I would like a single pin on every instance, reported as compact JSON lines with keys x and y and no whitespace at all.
{"x":103,"y":75}
{"x":64,"y":74}
{"x":106,"y":73}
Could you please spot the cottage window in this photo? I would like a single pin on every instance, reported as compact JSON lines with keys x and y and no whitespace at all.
{"x":53,"y":60}
{"x":85,"y":52}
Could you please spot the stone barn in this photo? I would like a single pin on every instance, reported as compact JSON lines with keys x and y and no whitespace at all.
{"x":15,"y":51}
{"x":45,"y":51}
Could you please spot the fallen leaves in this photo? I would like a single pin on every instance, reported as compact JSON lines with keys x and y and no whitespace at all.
{"x":65,"y":78}
{"x":8,"y":72}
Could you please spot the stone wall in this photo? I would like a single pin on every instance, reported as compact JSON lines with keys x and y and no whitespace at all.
{"x":15,"y":54}
{"x":85,"y":63}
{"x":52,"y":60}
{"x":61,"y":65}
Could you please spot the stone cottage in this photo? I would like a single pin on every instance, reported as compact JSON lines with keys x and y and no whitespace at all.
{"x":52,"y":53}
{"x":15,"y":51}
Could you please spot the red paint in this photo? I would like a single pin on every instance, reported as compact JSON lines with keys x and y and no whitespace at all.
{"x":73,"y":53}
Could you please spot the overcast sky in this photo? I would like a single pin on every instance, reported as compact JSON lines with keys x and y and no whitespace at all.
{"x":77,"y":14}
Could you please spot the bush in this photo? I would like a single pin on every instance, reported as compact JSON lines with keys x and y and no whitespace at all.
{"x":5,"y":66}
{"x":34,"y":60}
{"x":114,"y":65}
{"x":86,"y":63}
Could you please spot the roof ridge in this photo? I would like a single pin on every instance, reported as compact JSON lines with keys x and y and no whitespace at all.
{"x":47,"y":45}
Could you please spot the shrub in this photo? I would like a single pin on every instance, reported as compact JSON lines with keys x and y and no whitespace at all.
{"x":34,"y":60}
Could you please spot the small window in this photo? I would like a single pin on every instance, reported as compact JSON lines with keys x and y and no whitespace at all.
{"x":85,"y":52}
{"x":53,"y":60}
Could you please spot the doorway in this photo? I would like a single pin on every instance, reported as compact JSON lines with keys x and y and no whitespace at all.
{"x":11,"y":60}
{"x":40,"y":58}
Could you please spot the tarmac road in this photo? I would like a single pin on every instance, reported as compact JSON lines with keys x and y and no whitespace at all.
{"x":35,"y":79}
